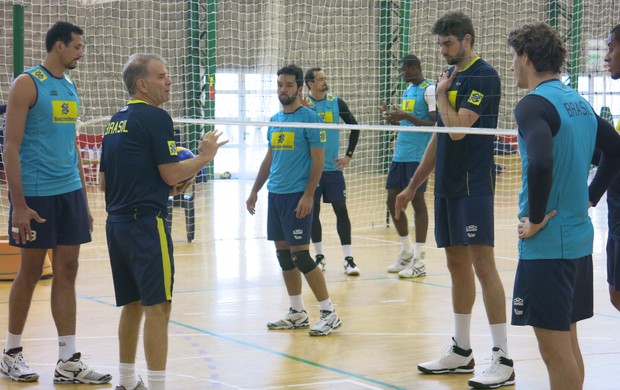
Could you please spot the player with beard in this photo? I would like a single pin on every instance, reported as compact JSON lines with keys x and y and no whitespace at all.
{"x":293,"y":164}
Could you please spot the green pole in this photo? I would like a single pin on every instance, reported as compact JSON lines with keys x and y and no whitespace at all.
{"x":209,"y":63}
{"x":553,"y":14}
{"x":575,"y":58}
{"x":192,"y":86}
{"x":405,"y":27}
{"x":385,"y":73}
{"x":18,"y":39}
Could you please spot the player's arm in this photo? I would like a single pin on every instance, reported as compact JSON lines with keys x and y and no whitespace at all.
{"x":304,"y":207}
{"x":608,"y":143}
{"x":261,"y":179}
{"x":450,"y":117}
{"x":22,"y":96}
{"x":354,"y":135}
{"x":80,"y":165}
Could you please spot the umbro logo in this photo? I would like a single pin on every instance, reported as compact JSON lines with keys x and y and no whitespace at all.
{"x":53,"y":92}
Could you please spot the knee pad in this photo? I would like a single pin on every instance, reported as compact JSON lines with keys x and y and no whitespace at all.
{"x":303,"y":261}
{"x":284,"y":258}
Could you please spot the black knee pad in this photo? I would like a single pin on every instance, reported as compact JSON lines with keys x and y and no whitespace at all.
{"x":284,"y":258}
{"x":303,"y":261}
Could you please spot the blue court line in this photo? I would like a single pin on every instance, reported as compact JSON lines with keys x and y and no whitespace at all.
{"x":284,"y":355}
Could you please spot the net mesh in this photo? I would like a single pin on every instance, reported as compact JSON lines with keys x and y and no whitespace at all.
{"x":222,"y":57}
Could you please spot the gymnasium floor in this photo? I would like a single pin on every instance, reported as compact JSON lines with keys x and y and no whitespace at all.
{"x":228,"y":286}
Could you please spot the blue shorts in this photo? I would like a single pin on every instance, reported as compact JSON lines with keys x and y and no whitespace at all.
{"x":282,"y":224}
{"x":141,"y":257}
{"x":613,"y":261}
{"x":464,"y":221}
{"x":553,"y":294}
{"x":400,"y":175}
{"x":331,"y":187}
{"x":66,"y":220}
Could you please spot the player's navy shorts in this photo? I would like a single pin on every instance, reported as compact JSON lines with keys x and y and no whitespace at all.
{"x":400,"y":174}
{"x":283,"y":224}
{"x":141,"y":257}
{"x":613,"y":261}
{"x":464,"y":221}
{"x":331,"y":187}
{"x":66,"y":220}
{"x":553,"y":294}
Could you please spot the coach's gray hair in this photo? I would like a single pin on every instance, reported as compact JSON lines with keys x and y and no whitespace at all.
{"x":136,"y":68}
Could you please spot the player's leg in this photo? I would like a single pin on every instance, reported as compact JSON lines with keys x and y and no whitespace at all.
{"x":556,"y":350}
{"x":335,"y":192}
{"x":128,"y":334}
{"x":613,"y":269}
{"x":317,"y":228}
{"x":416,"y":267}
{"x":397,"y":179}
{"x":156,"y":318}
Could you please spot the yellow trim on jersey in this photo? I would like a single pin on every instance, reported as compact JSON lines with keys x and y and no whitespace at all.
{"x":452,"y":98}
{"x":137,"y":101}
{"x":470,"y":64}
{"x":165,"y":258}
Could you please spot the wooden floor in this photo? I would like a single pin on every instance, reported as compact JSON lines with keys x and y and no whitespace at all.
{"x":228,"y":286}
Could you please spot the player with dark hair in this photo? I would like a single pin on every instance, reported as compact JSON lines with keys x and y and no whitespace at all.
{"x":612,"y":58}
{"x":558,"y":133}
{"x":49,"y":207}
{"x":136,"y":197}
{"x":293,"y":165}
{"x":468,"y":95}
{"x":417,"y":109}
{"x":332,"y":187}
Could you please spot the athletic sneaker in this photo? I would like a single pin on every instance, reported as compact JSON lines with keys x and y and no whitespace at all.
{"x":14,"y":366}
{"x":320,"y":261}
{"x":414,"y":269}
{"x":75,"y":370}
{"x":349,"y":267}
{"x":401,"y":262}
{"x":139,"y":386}
{"x":452,"y":360}
{"x":500,"y":373}
{"x":293,"y":320}
{"x":328,"y":321}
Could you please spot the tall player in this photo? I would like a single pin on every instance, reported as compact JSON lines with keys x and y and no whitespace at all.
{"x":468,"y":95}
{"x":612,"y":58}
{"x":49,"y":207}
{"x":417,"y":109}
{"x":293,"y":165}
{"x":558,"y":132}
{"x":332,"y":187}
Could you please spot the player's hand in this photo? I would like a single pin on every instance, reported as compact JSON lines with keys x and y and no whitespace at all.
{"x":209,"y":144}
{"x":528,"y":229}
{"x":445,"y":82}
{"x":304,"y":101}
{"x":304,"y":207}
{"x":342,"y":162}
{"x":20,"y":228}
{"x":181,"y":188}
{"x":395,"y":116}
{"x":402,"y":200}
{"x":250,"y":204}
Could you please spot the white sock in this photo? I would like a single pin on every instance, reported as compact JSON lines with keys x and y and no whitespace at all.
{"x":157,"y":380}
{"x":347,"y":250}
{"x":418,"y":248}
{"x":13,"y":341}
{"x":462,"y":325}
{"x":318,"y":247}
{"x":326,"y":305}
{"x":297,"y":302}
{"x":500,"y":337}
{"x":405,"y":244}
{"x":66,"y":347}
{"x":128,"y":378}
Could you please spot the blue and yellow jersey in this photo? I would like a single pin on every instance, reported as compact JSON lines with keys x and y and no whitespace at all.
{"x":410,"y":147}
{"x":329,"y":111}
{"x":137,"y":139}
{"x":290,"y":146}
{"x":569,"y":234}
{"x":47,"y":154}
{"x":466,"y":167}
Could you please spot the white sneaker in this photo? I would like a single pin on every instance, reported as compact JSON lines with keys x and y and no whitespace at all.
{"x":401,"y":262}
{"x":328,"y":321}
{"x":320,"y":261}
{"x":452,"y":360}
{"x":75,"y":370}
{"x":294,"y":320}
{"x":414,"y":269}
{"x":15,"y":367}
{"x":500,"y":373}
{"x":139,"y":386}
{"x":349,"y":267}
